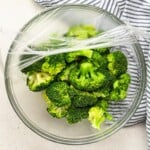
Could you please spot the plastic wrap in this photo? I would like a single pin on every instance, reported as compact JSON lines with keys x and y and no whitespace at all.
{"x":119,"y":36}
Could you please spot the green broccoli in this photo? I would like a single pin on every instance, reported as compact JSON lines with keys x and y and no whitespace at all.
{"x":54,"y":64}
{"x":36,"y":66}
{"x":53,"y":110}
{"x":38,"y":81}
{"x":95,"y":57}
{"x":120,"y":87}
{"x":64,"y":74}
{"x":78,"y":55}
{"x":117,"y":95}
{"x":75,"y":115}
{"x":102,"y":92}
{"x":117,"y":63}
{"x":96,"y":116}
{"x":85,"y":77}
{"x":82,"y":31}
{"x":78,"y":85}
{"x":81,"y":98}
{"x":122,"y":82}
{"x":91,"y":30}
{"x":110,"y":78}
{"x":99,"y":60}
{"x":57,"y":92}
{"x":102,"y":103}
{"x":103,"y":51}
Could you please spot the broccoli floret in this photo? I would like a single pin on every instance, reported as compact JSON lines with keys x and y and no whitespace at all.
{"x":120,"y":87}
{"x":64,"y":75}
{"x":102,"y":103}
{"x":96,"y":116}
{"x":85,"y":77}
{"x":78,"y":55}
{"x":103,"y":51}
{"x":81,"y":98}
{"x":38,"y":81}
{"x":82,"y":31}
{"x":58,"y":112}
{"x":110,"y":78}
{"x":53,"y":110}
{"x":94,"y":56}
{"x":75,"y":115}
{"x":91,"y":30}
{"x":33,"y":67}
{"x":117,"y":95}
{"x":125,"y":80}
{"x":99,"y":60}
{"x":117,"y":63}
{"x":54,"y":64}
{"x":102,"y":92}
{"x":57,"y":92}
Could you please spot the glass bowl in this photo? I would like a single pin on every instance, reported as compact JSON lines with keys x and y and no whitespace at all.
{"x":30,"y":106}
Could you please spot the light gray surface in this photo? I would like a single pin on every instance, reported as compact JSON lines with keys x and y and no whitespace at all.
{"x":14,"y":134}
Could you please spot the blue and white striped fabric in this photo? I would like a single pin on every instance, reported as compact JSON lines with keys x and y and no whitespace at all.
{"x":136,"y":13}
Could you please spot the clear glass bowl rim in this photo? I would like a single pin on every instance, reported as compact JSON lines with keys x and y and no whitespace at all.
{"x":79,"y":141}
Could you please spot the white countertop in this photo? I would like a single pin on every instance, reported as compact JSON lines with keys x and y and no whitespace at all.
{"x":14,"y":135}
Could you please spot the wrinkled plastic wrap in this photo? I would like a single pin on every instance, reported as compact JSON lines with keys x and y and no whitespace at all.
{"x":119,"y":36}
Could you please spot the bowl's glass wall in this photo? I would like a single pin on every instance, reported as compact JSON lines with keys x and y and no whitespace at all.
{"x":30,"y":106}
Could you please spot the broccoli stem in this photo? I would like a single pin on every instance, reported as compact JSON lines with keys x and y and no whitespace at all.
{"x":87,"y":69}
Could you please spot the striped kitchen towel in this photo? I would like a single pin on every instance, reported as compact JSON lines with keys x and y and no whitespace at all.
{"x":136,"y":13}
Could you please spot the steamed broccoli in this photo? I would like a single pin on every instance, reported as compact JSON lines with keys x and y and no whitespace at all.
{"x":79,"y":85}
{"x":78,"y":55}
{"x":120,"y":87}
{"x":117,"y":63}
{"x":75,"y":115}
{"x":102,"y":103}
{"x":117,"y":95}
{"x":122,"y":82}
{"x":38,"y":81}
{"x":86,"y":77}
{"x":99,"y":60}
{"x":81,"y":98}
{"x":82,"y":31}
{"x":57,"y":92}
{"x":64,"y":74}
{"x":103,"y":51}
{"x":36,"y":66}
{"x":54,"y":64}
{"x":55,"y":111}
{"x":98,"y":114}
{"x":102,"y":92}
{"x":95,"y":57}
